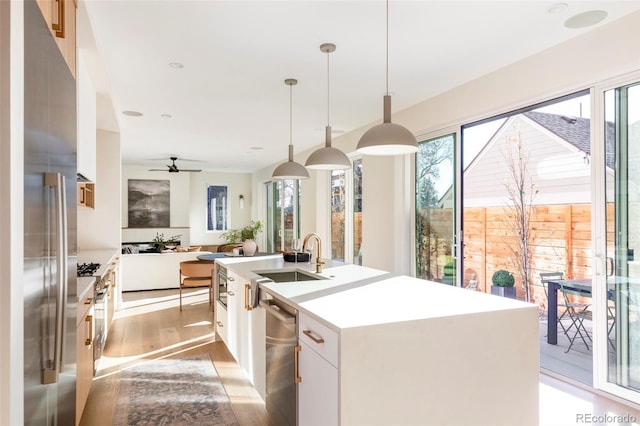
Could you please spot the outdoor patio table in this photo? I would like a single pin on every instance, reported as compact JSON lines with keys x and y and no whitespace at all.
{"x":582,"y":286}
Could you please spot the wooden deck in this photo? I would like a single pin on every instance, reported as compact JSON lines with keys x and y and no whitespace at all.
{"x":576,"y":364}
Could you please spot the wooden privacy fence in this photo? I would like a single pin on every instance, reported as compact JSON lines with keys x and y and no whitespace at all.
{"x":560,"y":242}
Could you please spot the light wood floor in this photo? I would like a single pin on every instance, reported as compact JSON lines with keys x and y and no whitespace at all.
{"x":150,"y":325}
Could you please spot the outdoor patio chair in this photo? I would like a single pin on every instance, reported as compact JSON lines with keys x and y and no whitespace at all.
{"x":545,"y":277}
{"x":578,"y":313}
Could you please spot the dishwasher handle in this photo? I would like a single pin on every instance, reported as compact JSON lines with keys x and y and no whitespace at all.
{"x":271,"y":307}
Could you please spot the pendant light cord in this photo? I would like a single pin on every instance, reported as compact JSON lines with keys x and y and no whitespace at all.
{"x":290,"y":114}
{"x":328,"y":91}
{"x":387,"y":32}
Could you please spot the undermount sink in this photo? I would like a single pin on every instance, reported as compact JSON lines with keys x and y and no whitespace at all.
{"x":289,"y":276}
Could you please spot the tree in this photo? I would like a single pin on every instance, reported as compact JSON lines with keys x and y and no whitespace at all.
{"x":429,"y":244}
{"x":521,"y":192}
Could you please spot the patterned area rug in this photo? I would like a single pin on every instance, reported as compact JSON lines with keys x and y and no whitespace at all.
{"x":184,"y":391}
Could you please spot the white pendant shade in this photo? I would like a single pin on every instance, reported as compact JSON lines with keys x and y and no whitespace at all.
{"x":290,"y":170}
{"x":387,"y":138}
{"x":328,"y":158}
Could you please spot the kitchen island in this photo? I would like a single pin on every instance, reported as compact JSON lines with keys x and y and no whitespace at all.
{"x":376,"y":348}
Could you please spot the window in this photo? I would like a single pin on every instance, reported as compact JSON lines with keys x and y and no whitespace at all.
{"x":217,"y":208}
{"x":346,"y":214}
{"x":435,"y":209}
{"x":282,"y":225}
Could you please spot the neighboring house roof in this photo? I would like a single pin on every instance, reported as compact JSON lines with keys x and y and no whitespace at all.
{"x":575,"y":130}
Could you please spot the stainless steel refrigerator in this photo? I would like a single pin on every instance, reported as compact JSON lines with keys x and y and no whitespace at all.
{"x":49,"y":228}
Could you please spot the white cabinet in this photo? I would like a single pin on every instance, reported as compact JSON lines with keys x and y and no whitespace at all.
{"x":318,"y":369}
{"x":221,"y":322}
{"x":318,"y":391}
{"x":234,"y":305}
{"x":84,"y":351}
{"x":246,"y":330}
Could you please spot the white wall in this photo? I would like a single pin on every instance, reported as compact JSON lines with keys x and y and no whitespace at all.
{"x":579,"y":63}
{"x":236,"y":183}
{"x":188,"y":207}
{"x":99,"y":228}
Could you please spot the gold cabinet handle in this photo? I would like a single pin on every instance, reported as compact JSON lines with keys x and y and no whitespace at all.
{"x":247,"y":305}
{"x":89,"y":319}
{"x":88,"y":301}
{"x":309,"y":333}
{"x":296,"y":371}
{"x":58,"y":26}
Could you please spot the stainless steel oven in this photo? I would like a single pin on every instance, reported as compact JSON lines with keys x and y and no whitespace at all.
{"x":221,"y":285}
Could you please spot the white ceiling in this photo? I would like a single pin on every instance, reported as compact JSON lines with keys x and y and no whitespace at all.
{"x":230,"y":96}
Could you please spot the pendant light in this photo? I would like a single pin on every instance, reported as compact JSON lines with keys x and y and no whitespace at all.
{"x":387,"y":138}
{"x":328,"y":158}
{"x":290,"y":169}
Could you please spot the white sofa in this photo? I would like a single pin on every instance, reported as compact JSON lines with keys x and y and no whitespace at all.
{"x":153,"y":271}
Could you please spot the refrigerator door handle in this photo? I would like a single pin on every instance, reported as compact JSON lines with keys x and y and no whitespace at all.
{"x":56,"y":181}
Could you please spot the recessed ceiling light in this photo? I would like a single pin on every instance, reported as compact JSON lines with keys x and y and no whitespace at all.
{"x":175,"y":65}
{"x":165,"y":115}
{"x":557,"y":7}
{"x":132,"y":113}
{"x":256,"y":148}
{"x":585,"y":19}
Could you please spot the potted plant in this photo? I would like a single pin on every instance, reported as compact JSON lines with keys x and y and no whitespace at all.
{"x":160,"y":243}
{"x":503,"y":284}
{"x":248,"y":235}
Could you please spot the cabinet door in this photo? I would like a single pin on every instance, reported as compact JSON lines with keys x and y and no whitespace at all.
{"x":221,"y":322}
{"x":318,"y":391}
{"x":84,"y":353}
{"x":234,"y":301}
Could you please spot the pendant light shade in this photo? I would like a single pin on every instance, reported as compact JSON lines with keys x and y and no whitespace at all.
{"x":387,"y":138}
{"x":290,"y":170}
{"x":328,"y":158}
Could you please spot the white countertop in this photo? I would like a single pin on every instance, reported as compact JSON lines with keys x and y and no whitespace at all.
{"x":357,"y":296}
{"x":403,"y":298}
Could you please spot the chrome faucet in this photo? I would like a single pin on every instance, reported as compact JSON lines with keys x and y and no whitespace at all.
{"x":319,"y":261}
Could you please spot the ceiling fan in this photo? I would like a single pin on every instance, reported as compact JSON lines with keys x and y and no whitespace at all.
{"x":173,"y":168}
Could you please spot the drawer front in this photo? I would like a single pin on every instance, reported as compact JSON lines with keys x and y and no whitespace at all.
{"x":319,"y":337}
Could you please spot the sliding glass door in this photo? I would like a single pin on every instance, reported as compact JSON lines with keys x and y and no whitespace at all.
{"x":282,"y":223}
{"x":618,"y":313}
{"x":436,"y":210}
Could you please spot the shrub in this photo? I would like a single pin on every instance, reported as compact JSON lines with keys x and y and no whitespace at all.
{"x":503,"y":278}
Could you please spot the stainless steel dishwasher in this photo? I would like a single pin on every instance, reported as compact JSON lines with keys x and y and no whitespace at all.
{"x":281,"y":344}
